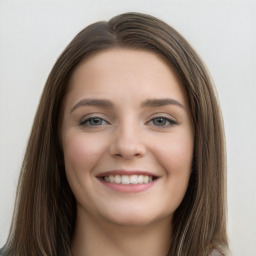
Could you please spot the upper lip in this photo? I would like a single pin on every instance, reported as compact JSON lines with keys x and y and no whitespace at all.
{"x":125,"y":172}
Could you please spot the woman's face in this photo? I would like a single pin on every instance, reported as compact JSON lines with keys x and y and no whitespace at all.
{"x":127,"y":138}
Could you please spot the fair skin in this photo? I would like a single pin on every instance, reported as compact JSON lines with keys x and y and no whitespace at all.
{"x":127,"y":139}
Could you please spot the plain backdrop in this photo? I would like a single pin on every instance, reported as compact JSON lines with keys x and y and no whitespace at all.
{"x":34,"y":33}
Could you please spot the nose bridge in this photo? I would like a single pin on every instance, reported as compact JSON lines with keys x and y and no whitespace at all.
{"x":127,"y":141}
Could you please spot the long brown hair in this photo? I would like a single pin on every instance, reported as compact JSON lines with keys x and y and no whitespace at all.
{"x":45,"y":211}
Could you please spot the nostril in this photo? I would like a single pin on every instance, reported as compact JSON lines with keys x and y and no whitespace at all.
{"x":127,"y":144}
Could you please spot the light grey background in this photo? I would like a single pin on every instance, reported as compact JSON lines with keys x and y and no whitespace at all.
{"x":34,"y":33}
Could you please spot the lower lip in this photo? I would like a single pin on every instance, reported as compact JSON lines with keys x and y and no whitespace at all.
{"x":128,"y":188}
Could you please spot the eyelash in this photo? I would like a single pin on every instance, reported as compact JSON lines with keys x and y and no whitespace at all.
{"x":86,"y":121}
{"x":167,"y":121}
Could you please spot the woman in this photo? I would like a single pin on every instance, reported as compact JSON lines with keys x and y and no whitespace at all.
{"x":126,"y":155}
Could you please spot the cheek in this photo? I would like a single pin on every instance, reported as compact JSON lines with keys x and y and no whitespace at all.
{"x":81,"y":155}
{"x":81,"y":151}
{"x":176,"y":154}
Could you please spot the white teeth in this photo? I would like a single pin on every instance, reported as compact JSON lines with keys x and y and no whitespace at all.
{"x":140,"y":179}
{"x":134,"y":179}
{"x":126,"y":179}
{"x":145,"y":179}
{"x":118,"y":179}
{"x":111,"y":179}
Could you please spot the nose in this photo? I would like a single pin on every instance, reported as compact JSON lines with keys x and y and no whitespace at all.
{"x":127,"y":143}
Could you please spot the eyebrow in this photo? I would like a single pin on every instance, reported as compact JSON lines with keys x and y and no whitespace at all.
{"x":161,"y":102}
{"x":93,"y":102}
{"x":108,"y":104}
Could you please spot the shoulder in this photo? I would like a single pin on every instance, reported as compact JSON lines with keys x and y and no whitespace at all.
{"x":216,"y":252}
{"x":2,"y":251}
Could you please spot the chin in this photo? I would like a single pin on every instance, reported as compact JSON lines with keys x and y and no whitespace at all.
{"x":131,"y":222}
{"x":135,"y":218}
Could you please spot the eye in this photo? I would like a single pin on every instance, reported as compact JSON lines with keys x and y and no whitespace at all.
{"x":93,"y":121}
{"x":162,"y":121}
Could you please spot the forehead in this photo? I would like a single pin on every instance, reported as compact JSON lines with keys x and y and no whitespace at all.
{"x":122,"y":71}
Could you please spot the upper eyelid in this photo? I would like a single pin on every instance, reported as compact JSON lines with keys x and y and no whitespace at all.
{"x":108,"y":119}
{"x":94,"y":115}
{"x":170,"y":120}
{"x":163,"y":115}
{"x":85,"y":118}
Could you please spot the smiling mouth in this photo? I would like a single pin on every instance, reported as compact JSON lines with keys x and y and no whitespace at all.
{"x":129,"y":179}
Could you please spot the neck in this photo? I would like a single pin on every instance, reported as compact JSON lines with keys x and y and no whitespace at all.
{"x":93,"y":238}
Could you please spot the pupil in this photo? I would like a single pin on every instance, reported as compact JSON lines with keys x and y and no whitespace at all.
{"x":159,"y":121}
{"x":95,"y":121}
